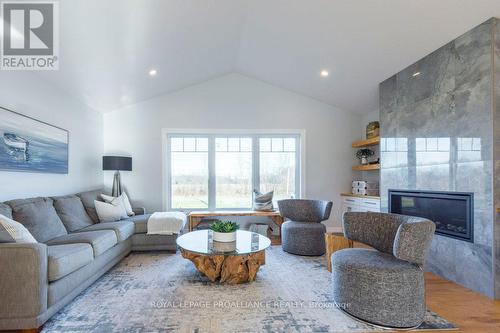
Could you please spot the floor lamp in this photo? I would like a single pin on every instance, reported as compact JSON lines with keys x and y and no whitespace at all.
{"x":117,"y":164}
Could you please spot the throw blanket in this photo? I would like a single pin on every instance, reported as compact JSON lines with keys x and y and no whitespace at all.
{"x":166,"y":223}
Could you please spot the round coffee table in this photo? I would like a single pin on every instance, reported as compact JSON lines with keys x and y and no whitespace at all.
{"x":235,"y":262}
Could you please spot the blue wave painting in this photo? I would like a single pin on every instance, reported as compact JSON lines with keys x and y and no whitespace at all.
{"x":29,"y":145}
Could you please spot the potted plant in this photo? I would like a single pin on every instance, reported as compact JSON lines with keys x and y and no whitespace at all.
{"x":224,"y":231}
{"x":363,"y":155}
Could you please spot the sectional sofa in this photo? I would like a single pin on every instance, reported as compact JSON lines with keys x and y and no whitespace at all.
{"x":73,"y":251}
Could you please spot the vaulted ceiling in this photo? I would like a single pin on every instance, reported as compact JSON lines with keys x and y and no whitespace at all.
{"x":107,"y":47}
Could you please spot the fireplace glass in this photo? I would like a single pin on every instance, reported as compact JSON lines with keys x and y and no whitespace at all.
{"x":450,"y":211}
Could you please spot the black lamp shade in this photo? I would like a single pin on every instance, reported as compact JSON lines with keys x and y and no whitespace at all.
{"x":121,"y":163}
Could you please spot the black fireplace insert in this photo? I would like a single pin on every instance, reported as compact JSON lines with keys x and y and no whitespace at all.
{"x":451,"y":211}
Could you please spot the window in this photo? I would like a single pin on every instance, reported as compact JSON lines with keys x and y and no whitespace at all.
{"x":233,"y":172}
{"x":277,"y":166}
{"x":189,"y":172}
{"x":212,"y":171}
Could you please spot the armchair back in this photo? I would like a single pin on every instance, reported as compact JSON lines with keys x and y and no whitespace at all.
{"x":405,"y":237}
{"x":302,"y":210}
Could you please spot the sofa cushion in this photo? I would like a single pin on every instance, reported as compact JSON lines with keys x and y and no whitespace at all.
{"x":5,"y":210}
{"x":141,"y":223}
{"x":39,"y":217}
{"x":67,"y":258}
{"x":73,"y":284}
{"x":88,"y":202}
{"x":72,"y":213}
{"x":123,"y":229}
{"x":101,"y":240}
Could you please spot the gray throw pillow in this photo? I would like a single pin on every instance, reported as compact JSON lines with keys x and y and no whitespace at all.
{"x":39,"y":217}
{"x":263,"y":201}
{"x":72,"y":213}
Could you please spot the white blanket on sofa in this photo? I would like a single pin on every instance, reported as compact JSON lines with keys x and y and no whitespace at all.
{"x":166,"y":223}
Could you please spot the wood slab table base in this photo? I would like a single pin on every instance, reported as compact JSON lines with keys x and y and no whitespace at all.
{"x":231,"y":269}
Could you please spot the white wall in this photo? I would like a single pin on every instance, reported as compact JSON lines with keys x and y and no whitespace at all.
{"x":26,"y":93}
{"x":233,"y":102}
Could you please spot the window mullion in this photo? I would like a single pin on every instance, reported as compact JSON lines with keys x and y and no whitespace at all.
{"x":255,"y":163}
{"x":298,"y":153}
{"x":211,"y":173}
{"x":168,"y":172}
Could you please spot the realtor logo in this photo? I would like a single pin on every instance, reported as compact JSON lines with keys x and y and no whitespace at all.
{"x":30,"y":35}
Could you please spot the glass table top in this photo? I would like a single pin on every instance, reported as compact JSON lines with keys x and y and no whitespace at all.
{"x":201,"y":241}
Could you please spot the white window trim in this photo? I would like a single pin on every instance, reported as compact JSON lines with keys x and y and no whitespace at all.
{"x":166,"y":132}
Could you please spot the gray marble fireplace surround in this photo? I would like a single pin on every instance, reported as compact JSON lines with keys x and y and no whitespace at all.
{"x":440,"y":129}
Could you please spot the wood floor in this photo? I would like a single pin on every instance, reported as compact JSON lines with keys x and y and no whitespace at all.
{"x":468,"y":310}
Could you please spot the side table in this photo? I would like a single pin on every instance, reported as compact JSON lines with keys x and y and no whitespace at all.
{"x":335,"y":241}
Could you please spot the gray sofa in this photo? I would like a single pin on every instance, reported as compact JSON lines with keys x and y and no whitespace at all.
{"x":72,"y":252}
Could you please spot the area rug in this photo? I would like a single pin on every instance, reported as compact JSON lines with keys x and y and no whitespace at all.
{"x":160,"y":292}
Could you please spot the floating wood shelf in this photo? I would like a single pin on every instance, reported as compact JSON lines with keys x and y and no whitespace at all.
{"x":365,"y":143}
{"x":359,"y":196}
{"x":367,"y":167}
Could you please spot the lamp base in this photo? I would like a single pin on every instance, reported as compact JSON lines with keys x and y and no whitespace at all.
{"x":117,"y":185}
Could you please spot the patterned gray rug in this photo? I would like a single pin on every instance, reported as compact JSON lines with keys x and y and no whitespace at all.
{"x":160,"y":292}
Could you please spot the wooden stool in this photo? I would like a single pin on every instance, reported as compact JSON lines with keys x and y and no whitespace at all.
{"x":335,"y":241}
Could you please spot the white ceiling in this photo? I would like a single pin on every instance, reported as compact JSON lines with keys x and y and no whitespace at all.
{"x":108,"y":46}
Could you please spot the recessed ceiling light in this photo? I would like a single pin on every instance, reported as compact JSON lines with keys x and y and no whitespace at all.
{"x":324,"y":73}
{"x":416,"y":74}
{"x":153,"y":72}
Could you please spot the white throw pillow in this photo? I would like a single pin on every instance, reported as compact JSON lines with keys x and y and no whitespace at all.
{"x":14,"y":232}
{"x":110,"y":212}
{"x":125,"y":200}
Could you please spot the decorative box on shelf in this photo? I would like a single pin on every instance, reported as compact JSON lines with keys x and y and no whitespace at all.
{"x":364,"y":184}
{"x":365,"y":191}
{"x":363,"y":187}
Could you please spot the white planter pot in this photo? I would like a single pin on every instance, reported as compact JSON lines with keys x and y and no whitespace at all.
{"x":224,"y":237}
{"x":224,"y":246}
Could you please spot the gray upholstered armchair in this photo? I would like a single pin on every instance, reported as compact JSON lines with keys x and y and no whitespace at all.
{"x":384,"y":287}
{"x":304,"y":234}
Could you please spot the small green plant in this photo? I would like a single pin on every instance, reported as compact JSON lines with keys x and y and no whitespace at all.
{"x":224,"y":226}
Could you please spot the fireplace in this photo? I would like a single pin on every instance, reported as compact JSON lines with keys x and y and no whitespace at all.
{"x":451,"y":211}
